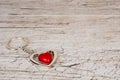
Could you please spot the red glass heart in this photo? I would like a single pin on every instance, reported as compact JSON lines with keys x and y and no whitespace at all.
{"x":45,"y":58}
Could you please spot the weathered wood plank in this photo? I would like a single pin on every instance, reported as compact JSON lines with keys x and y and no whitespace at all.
{"x":91,"y":41}
{"x":59,"y":21}
{"x":59,"y":7}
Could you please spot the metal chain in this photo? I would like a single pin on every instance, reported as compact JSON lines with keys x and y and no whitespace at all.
{"x":29,"y":51}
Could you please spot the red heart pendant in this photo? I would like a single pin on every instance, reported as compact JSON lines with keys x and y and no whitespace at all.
{"x":48,"y":58}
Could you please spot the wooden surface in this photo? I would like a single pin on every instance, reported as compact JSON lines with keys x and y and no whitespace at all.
{"x":62,"y":7}
{"x":86,"y":33}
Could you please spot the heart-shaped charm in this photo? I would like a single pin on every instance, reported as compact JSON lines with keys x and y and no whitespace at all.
{"x":48,"y":58}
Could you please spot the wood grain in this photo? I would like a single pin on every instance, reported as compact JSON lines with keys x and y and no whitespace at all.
{"x":59,"y":7}
{"x":86,"y":34}
{"x":92,"y":42}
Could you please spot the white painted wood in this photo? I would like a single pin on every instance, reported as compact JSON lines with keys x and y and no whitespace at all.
{"x":92,"y":42}
{"x":59,"y":7}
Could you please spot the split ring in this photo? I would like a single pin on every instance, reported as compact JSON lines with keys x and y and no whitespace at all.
{"x":25,"y":43}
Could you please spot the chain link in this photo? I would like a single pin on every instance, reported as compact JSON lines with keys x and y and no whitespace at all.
{"x":29,"y":51}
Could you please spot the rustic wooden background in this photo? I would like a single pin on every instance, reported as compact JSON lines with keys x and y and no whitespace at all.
{"x":84,"y":32}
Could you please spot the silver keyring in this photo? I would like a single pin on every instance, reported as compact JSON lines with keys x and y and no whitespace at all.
{"x":24,"y":39}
